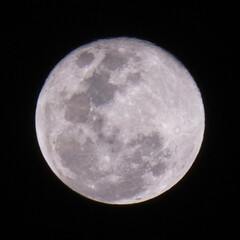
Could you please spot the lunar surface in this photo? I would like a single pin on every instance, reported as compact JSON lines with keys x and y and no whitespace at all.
{"x":120,"y":120}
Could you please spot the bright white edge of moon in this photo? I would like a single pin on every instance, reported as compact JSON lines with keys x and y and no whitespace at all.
{"x":120,"y":121}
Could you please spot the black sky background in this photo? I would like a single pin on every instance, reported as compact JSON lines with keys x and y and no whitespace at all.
{"x":35,"y":36}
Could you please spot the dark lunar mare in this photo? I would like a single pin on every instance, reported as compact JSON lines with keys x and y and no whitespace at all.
{"x":77,"y":108}
{"x":85,"y":59}
{"x":114,"y":60}
{"x":100,"y":91}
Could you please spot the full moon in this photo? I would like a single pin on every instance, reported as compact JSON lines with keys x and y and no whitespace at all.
{"x":120,"y":120}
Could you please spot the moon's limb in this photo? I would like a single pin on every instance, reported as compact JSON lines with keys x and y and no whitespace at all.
{"x":120,"y":120}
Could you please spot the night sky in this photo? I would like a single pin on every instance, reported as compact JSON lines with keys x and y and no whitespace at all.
{"x":36,"y":36}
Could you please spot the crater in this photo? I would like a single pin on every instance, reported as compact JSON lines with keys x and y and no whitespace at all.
{"x":113,"y":60}
{"x":100,"y":90}
{"x":85,"y":59}
{"x":77,"y":108}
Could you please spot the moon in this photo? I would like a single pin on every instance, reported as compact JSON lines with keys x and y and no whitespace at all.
{"x":120,"y":120}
